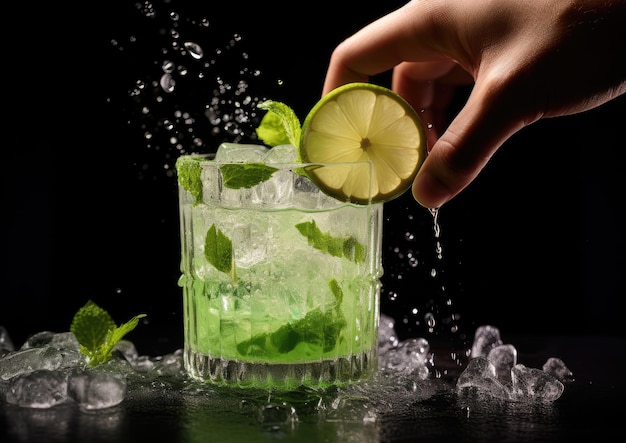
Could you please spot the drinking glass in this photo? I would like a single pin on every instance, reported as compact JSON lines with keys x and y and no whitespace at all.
{"x":280,"y":281}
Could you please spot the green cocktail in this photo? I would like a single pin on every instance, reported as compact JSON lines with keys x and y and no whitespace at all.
{"x":280,"y":281}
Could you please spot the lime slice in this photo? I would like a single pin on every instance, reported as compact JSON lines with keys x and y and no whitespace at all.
{"x":363,"y":122}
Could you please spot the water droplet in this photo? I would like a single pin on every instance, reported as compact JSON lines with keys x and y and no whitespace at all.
{"x":195,"y":50}
{"x":167,"y":83}
{"x":168,"y":66}
{"x":429,"y":318}
{"x":147,"y":9}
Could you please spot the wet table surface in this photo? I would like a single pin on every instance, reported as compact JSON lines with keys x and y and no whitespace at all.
{"x":588,"y":408}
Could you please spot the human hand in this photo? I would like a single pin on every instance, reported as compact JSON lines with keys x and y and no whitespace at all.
{"x":527,"y":60}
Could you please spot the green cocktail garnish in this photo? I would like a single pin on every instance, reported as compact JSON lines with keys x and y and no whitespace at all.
{"x":245,"y":175}
{"x":218,"y":250}
{"x":338,"y":247}
{"x":317,"y":328}
{"x":97,"y":333}
{"x":189,"y":170}
{"x":280,"y":125}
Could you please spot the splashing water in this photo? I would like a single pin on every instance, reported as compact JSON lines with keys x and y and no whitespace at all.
{"x":417,"y":282}
{"x":192,"y":90}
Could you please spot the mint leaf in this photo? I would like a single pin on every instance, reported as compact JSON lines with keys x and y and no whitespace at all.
{"x":245,"y":175}
{"x":189,"y":170}
{"x":317,"y":328}
{"x":218,"y":250}
{"x":337,"y":247}
{"x":280,"y":125}
{"x":272,"y":131}
{"x":337,"y":291}
{"x":353,"y":250}
{"x":97,"y":333}
{"x":90,"y":325}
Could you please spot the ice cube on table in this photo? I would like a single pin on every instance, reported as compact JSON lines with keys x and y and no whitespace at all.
{"x":28,"y":360}
{"x":38,"y":389}
{"x":387,"y":335}
{"x":59,"y":340}
{"x":486,"y":337}
{"x":240,"y":153}
{"x":410,"y":356}
{"x":535,"y":384}
{"x":503,"y":357}
{"x":557,"y":368}
{"x":96,"y":389}
{"x":481,"y":375}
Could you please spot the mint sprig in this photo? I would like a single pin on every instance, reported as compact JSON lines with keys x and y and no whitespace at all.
{"x":347,"y":247}
{"x":280,"y":125}
{"x":97,"y":333}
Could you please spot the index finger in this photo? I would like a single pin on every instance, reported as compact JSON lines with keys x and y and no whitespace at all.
{"x":406,"y":34}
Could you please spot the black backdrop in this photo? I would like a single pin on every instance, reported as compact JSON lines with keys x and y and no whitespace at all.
{"x":534,"y":246}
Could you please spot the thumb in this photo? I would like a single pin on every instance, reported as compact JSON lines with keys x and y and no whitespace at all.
{"x":466,"y":146}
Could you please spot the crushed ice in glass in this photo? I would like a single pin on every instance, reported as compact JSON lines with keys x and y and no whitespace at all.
{"x":48,"y":370}
{"x":285,"y":188}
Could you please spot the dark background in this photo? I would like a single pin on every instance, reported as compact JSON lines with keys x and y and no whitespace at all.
{"x":534,"y":246}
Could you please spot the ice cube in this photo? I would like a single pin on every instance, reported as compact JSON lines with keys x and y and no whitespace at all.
{"x":249,"y":242}
{"x":480,"y":375}
{"x":557,"y":368}
{"x":535,"y":384}
{"x":503,"y":357}
{"x":96,"y":389}
{"x":170,"y":364}
{"x":127,"y":349}
{"x":240,"y":153}
{"x":281,"y":154}
{"x":28,"y":360}
{"x":485,"y":338}
{"x":277,"y":192}
{"x":387,"y":336}
{"x":410,"y":357}
{"x":39,"y":389}
{"x":43,"y":350}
